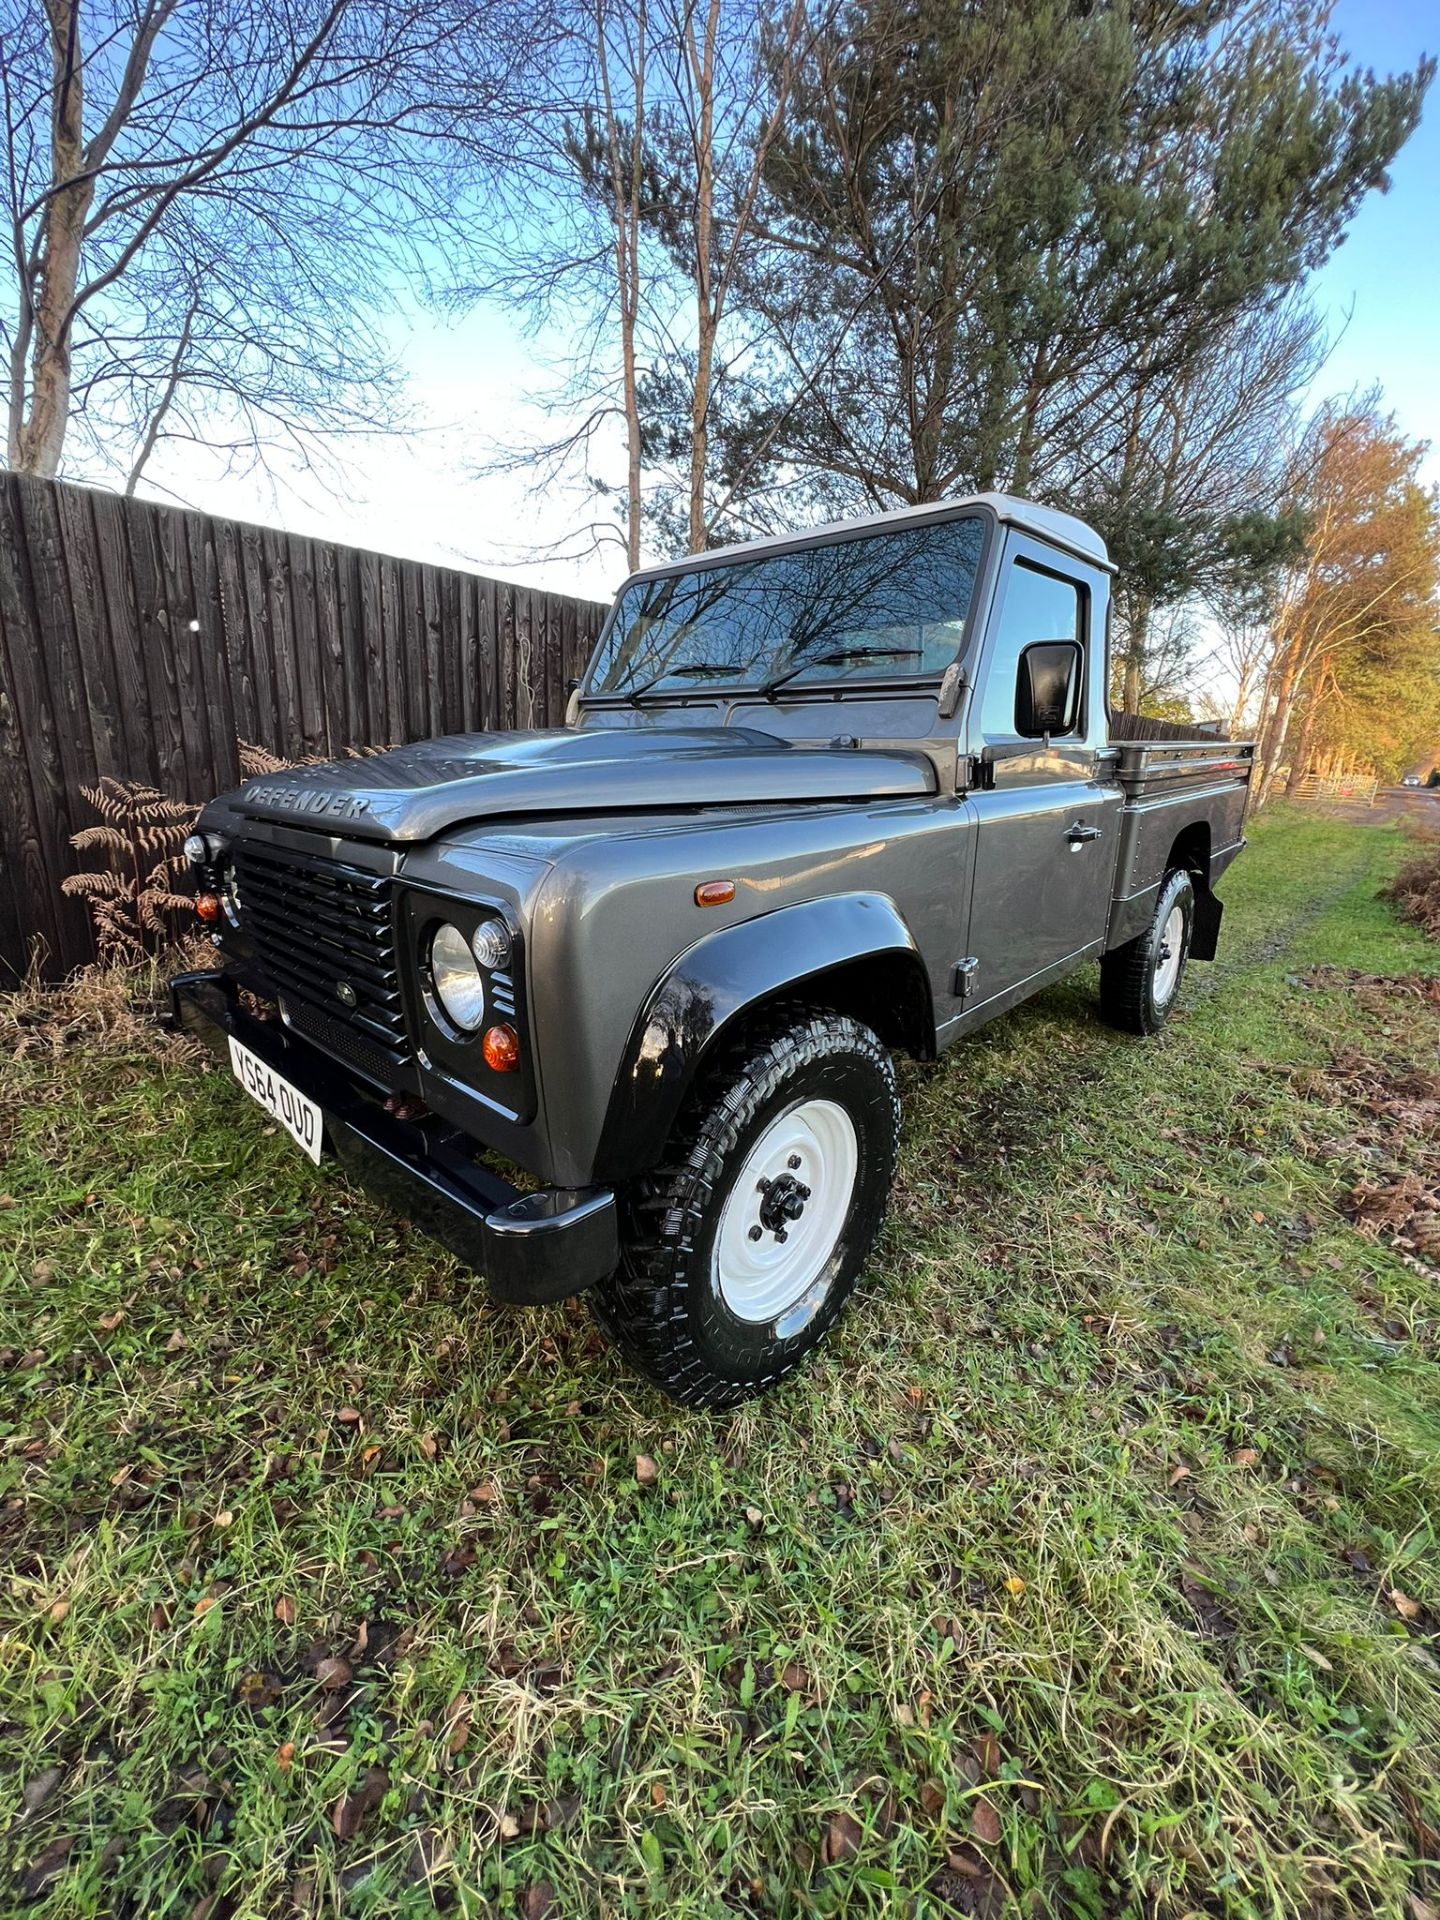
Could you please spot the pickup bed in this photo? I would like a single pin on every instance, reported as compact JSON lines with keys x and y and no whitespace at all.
{"x":817,"y":800}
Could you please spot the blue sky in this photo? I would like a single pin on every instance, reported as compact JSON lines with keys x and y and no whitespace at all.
{"x":419,"y":496}
{"x":1388,"y":270}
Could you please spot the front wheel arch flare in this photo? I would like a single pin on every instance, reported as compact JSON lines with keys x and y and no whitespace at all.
{"x":850,"y":952}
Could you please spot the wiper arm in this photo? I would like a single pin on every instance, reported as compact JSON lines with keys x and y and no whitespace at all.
{"x":836,"y":657}
{"x":692,"y":670}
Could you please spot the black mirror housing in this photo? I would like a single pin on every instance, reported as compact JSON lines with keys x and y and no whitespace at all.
{"x":1047,"y":689}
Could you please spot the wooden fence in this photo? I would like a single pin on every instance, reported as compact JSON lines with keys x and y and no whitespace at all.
{"x":144,"y":641}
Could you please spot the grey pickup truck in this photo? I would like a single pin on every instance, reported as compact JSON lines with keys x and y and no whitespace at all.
{"x":613,"y":1007}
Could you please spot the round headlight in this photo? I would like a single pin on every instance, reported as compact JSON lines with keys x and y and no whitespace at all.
{"x":491,"y":943}
{"x":456,"y":978}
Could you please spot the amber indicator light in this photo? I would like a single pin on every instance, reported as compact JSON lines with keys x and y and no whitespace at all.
{"x":207,"y":905}
{"x":501,"y":1048}
{"x":714,"y":893}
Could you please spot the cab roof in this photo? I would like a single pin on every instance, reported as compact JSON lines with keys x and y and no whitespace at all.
{"x":1063,"y":530}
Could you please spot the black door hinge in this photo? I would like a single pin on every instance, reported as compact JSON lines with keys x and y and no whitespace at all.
{"x":965,"y":972}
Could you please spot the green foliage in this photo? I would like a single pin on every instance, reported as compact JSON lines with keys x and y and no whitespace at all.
{"x":994,"y":227}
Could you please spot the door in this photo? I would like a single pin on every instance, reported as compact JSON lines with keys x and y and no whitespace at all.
{"x":1046,"y":813}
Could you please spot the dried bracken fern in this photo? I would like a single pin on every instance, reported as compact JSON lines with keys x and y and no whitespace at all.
{"x":256,"y":761}
{"x":134,"y":897}
{"x":1415,"y":890}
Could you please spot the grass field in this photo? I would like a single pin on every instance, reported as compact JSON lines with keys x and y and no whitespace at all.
{"x":1091,"y":1571}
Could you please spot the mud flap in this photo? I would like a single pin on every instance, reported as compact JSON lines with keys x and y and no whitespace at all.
{"x":1205,"y":929}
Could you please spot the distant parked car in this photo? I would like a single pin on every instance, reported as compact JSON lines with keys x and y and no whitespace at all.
{"x":1411,"y":780}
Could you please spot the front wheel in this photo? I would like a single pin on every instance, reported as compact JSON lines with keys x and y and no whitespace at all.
{"x":1139,"y":981}
{"x":739,"y":1253}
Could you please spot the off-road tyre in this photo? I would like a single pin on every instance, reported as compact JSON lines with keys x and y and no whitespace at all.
{"x":1138,"y":985}
{"x":664,"y":1305}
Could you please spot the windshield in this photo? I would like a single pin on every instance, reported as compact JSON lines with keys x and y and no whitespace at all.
{"x":887,"y":603}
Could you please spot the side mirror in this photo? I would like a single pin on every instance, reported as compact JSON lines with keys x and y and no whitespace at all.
{"x":1047,"y":689}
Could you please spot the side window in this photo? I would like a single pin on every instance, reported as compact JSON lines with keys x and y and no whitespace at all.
{"x":1043,"y":612}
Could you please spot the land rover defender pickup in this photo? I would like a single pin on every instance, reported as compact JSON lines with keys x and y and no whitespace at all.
{"x":817,"y":799}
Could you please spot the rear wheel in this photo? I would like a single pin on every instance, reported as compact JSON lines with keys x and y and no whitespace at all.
{"x":1139,"y":982}
{"x":739,"y":1253}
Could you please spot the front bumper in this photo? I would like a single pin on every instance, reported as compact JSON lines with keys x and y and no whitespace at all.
{"x":531,"y":1247}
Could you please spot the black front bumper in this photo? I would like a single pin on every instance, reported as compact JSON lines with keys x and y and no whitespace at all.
{"x":530,"y":1247}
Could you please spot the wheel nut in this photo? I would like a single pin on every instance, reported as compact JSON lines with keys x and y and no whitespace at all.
{"x":793,"y":1162}
{"x":755,"y":1232}
{"x":780,"y":1234}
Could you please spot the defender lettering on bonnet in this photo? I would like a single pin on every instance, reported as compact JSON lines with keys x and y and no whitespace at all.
{"x":819,"y":798}
{"x":344,"y":806}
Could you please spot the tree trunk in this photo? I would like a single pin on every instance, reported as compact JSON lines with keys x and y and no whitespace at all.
{"x":700,"y":432}
{"x":1136,"y":632}
{"x":40,"y":438}
{"x":1272,"y":743}
{"x":1300,"y":758}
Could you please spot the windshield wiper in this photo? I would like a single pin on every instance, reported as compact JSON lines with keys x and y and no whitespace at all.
{"x":837,"y":656}
{"x":692,"y":670}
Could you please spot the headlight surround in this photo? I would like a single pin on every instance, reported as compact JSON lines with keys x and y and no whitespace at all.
{"x":455,"y":977}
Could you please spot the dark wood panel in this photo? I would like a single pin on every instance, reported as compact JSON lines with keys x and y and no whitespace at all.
{"x":143,"y":640}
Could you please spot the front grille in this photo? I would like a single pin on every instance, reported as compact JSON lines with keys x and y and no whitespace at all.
{"x":319,"y":926}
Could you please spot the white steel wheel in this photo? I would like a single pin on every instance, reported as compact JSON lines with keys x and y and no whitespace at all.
{"x":1169,"y":956}
{"x":784,"y":1215}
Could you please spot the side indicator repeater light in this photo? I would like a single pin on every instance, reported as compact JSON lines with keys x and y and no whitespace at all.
{"x":207,"y":906}
{"x":501,"y":1048}
{"x":714,"y":893}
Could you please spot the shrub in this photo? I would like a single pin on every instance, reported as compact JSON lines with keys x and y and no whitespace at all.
{"x":1416,"y":890}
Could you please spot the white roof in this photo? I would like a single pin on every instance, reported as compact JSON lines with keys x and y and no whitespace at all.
{"x":1046,"y":523}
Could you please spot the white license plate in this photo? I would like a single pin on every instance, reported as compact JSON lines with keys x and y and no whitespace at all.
{"x":300,"y":1117}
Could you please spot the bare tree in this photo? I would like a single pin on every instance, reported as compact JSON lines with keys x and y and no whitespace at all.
{"x":208,"y":203}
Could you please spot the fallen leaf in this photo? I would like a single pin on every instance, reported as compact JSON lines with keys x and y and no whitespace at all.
{"x":754,"y":1519}
{"x":841,"y":1839}
{"x":1177,"y":1474}
{"x":109,"y":1321}
{"x":333,"y":1674}
{"x":657,"y":1794}
{"x":1316,"y":1658}
{"x":1245,"y":1457}
{"x":286,"y":1610}
{"x":351,"y":1808}
{"x":458,"y":1716}
{"x":536,"y":1900}
{"x":225,"y":1519}
{"x":57,"y":1612}
{"x":175,"y":1342}
{"x":429,"y":1445}
{"x":987,"y":1753}
{"x":285,"y":1756}
{"x":509,"y":1826}
{"x":204,"y":1604}
{"x":932,"y":1799}
{"x":1015,"y":1585}
{"x":39,"y":1789}
{"x":1407,"y":1608}
{"x":43,"y":1871}
{"x":794,"y":1678}
{"x":647,"y":1470}
{"x":349,"y":1416}
{"x":258,"y":1689}
{"x":985,"y":1823}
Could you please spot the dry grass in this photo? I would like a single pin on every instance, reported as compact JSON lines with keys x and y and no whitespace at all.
{"x":1415,"y":890}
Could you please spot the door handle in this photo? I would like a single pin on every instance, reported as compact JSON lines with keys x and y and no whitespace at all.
{"x":1078,"y":831}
